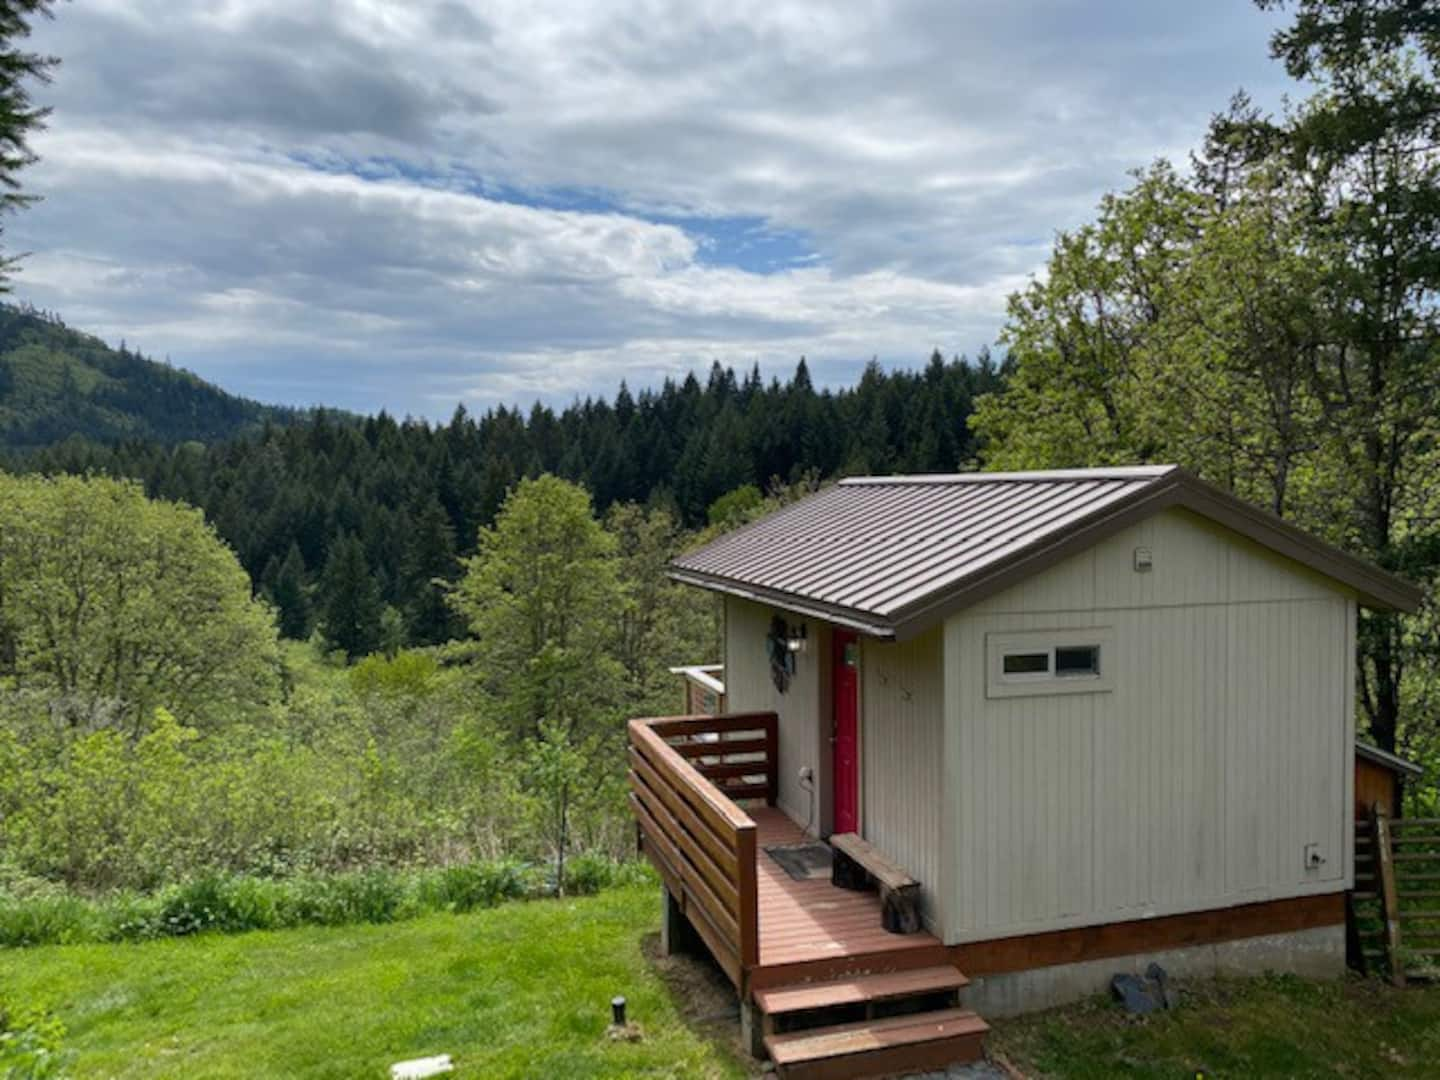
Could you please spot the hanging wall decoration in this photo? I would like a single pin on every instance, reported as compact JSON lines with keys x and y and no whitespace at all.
{"x":782,"y":643}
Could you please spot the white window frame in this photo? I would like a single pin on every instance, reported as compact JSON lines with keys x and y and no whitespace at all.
{"x":998,"y":684}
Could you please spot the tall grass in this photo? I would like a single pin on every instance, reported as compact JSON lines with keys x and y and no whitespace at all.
{"x":232,"y":903}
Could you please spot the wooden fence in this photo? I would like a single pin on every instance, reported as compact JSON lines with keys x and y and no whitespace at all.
{"x":685,"y":775}
{"x":1395,"y":908}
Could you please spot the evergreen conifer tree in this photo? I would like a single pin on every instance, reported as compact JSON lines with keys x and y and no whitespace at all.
{"x":429,"y":558}
{"x":350,"y":603}
{"x":294,"y":611}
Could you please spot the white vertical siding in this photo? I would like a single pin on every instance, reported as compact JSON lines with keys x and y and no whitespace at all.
{"x":901,"y":760}
{"x":749,"y":688}
{"x":1223,"y":749}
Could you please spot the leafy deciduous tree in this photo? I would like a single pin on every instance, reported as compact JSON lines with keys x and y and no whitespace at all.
{"x":114,"y":604}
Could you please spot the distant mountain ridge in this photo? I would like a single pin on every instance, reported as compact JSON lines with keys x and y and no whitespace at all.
{"x":57,"y":383}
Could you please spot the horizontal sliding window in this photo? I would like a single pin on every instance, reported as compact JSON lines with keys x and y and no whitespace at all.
{"x":1077,"y":660}
{"x":1036,"y":662}
{"x":1027,"y":663}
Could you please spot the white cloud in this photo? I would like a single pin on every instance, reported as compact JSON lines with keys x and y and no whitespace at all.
{"x":201,"y":202}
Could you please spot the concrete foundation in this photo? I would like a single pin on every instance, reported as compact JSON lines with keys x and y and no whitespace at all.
{"x":1317,"y":953}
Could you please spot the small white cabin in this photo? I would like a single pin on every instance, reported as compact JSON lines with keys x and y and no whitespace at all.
{"x":1094,"y":713}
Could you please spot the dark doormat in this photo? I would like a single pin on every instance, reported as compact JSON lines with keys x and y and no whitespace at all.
{"x":803,"y":861}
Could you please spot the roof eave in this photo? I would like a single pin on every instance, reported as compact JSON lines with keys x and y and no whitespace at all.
{"x":860,"y":621}
{"x":1377,"y":589}
{"x":1388,"y":760}
{"x":1170,"y":487}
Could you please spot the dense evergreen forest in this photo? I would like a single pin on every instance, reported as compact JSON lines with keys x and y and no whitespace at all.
{"x":338,"y":507}
{"x":57,"y":383}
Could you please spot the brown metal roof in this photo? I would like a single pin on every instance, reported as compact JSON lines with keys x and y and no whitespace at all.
{"x":891,"y":555}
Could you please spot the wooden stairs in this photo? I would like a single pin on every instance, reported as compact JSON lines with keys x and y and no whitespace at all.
{"x":872,"y":1024}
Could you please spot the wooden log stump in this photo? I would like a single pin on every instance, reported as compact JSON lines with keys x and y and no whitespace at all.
{"x":900,"y":909}
{"x":846,"y":873}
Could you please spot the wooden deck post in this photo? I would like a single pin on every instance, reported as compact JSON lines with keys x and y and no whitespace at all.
{"x":749,"y":905}
{"x":1389,"y":896}
{"x":772,"y":756}
{"x":677,"y":936}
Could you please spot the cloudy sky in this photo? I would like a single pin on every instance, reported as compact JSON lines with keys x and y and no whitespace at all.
{"x":406,"y":205}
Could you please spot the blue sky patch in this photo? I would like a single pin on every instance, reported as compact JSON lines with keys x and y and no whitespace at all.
{"x":744,"y":243}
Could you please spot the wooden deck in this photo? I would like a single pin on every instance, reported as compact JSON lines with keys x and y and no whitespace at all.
{"x":812,"y":923}
{"x":688,"y":778}
{"x":800,"y":953}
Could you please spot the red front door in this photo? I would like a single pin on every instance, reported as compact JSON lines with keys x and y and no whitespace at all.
{"x":846,"y":737}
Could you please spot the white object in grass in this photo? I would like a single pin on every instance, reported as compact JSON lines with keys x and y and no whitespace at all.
{"x":421,"y":1068}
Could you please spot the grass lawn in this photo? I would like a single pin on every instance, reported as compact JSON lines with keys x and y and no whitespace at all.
{"x":523,"y":990}
{"x":519,"y":990}
{"x":1274,"y":1026}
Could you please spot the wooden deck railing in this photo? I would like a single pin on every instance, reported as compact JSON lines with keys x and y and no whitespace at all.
{"x":685,"y":773}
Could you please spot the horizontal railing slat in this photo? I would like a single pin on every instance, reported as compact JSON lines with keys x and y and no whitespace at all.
{"x":721,"y":748}
{"x":746,"y":791}
{"x":694,"y":883}
{"x":731,"y":768}
{"x":720,"y":810}
{"x":703,"y":844}
{"x":721,"y":882}
{"x":719,"y":844}
{"x":671,"y":726}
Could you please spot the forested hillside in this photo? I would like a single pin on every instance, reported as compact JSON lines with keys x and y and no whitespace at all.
{"x":56,"y":383}
{"x":383,"y":508}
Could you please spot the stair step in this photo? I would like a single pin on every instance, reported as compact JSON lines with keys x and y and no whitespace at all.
{"x":880,"y":1047}
{"x":858,"y":989}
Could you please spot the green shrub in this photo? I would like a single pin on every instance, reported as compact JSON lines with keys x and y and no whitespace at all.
{"x":228,"y":904}
{"x":47,"y":920}
{"x":370,"y":896}
{"x":235,"y":903}
{"x":476,"y":885}
{"x":30,"y":1044}
{"x":587,"y":874}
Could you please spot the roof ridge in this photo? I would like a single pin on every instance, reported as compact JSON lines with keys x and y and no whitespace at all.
{"x":1121,"y":472}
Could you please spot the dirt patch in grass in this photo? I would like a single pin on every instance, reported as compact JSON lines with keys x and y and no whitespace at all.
{"x":701,"y":994}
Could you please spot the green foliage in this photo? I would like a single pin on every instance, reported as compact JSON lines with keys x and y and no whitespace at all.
{"x":480,"y":885}
{"x":658,"y":623}
{"x":287,"y":592}
{"x":590,"y":873}
{"x":236,"y":903}
{"x":112,"y":604}
{"x":412,"y":676}
{"x":352,"y":617}
{"x":59,"y":384}
{"x":429,"y":566}
{"x":734,"y":507}
{"x":20,"y":117}
{"x":30,"y":1044}
{"x":539,"y":596}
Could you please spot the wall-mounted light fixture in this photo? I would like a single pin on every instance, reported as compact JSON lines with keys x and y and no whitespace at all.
{"x":783,"y":643}
{"x":795,"y":643}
